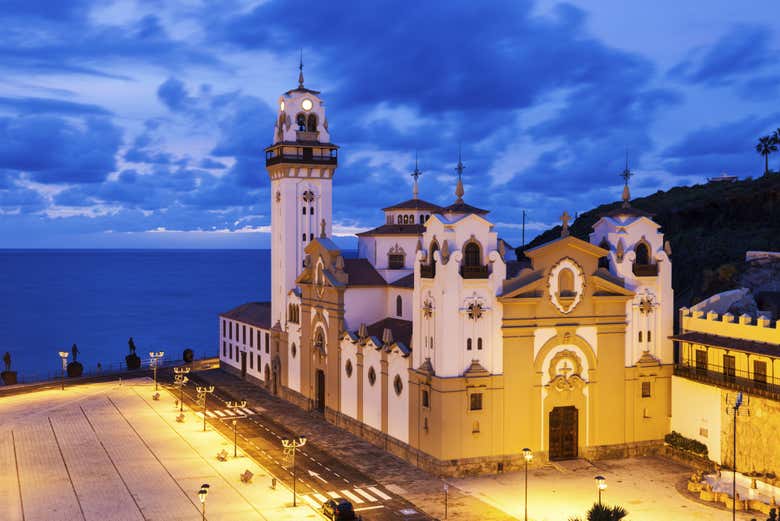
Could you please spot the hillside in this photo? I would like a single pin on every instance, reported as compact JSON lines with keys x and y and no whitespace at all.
{"x":710,"y":227}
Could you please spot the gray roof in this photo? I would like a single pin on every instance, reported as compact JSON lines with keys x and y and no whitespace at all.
{"x":362,"y":273}
{"x":414,"y":204}
{"x":254,"y":313}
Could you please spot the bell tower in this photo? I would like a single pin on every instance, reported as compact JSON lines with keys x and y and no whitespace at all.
{"x":300,"y":163}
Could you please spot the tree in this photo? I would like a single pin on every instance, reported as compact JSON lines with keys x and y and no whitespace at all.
{"x":766,"y":145}
{"x":604,"y":513}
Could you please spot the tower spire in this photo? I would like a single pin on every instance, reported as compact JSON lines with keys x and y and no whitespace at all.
{"x":300,"y":71}
{"x":415,"y":175}
{"x":626,"y":175}
{"x":459,"y":187}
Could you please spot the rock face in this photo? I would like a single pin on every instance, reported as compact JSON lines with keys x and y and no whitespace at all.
{"x":756,"y":436}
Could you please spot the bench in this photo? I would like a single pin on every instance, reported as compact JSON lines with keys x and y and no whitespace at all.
{"x":222,"y":455}
{"x":246,"y":477}
{"x":180,"y":417}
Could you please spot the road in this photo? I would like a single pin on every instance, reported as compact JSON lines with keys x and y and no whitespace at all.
{"x":319,"y":475}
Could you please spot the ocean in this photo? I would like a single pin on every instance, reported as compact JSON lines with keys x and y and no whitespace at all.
{"x":167,"y":300}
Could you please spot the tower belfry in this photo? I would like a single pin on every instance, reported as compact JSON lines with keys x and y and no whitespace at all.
{"x":301,"y":162}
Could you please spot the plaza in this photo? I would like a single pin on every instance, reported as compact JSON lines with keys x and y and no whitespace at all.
{"x":110,"y":452}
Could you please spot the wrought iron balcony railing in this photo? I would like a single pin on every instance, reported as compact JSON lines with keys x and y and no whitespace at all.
{"x":474,"y":272}
{"x":730,"y":378}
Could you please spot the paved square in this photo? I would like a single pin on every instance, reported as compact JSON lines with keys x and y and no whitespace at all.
{"x":643,"y":486}
{"x":108,"y":452}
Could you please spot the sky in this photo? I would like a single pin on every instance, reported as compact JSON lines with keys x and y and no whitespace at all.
{"x":142,"y":124}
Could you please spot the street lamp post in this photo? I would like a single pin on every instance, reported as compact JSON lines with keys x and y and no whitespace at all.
{"x":179,"y":380}
{"x":202,"y":493}
{"x":64,"y":357}
{"x":528,"y":455}
{"x":446,"y":491}
{"x":203,"y":392}
{"x":735,"y":410}
{"x":154,"y":358}
{"x":601,"y":484}
{"x":235,"y":406}
{"x":290,"y":446}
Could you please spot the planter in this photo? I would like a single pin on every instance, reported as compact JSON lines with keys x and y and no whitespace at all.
{"x":133,"y":362}
{"x":188,"y":355}
{"x":8,"y":377}
{"x":75,"y":369}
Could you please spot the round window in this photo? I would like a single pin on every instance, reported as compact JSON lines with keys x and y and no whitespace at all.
{"x":398,"y":385}
{"x":371,"y":376}
{"x":293,"y":350}
{"x":348,"y":368}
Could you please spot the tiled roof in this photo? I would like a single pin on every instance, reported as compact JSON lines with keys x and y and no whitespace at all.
{"x":739,"y":344}
{"x":414,"y":204}
{"x":362,"y":273}
{"x":464,"y":208}
{"x":401,"y":329}
{"x":395,"y":229}
{"x":629,"y":211}
{"x":404,"y":282}
{"x":255,"y":313}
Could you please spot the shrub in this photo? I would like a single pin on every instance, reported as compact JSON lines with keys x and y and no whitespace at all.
{"x":678,"y":441}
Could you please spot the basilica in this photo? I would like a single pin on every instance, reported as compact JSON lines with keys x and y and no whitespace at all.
{"x":436,"y":342}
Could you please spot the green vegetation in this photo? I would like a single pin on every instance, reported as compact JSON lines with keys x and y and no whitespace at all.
{"x":766,"y":145}
{"x":678,"y":441}
{"x":604,"y":513}
{"x":709,"y":227}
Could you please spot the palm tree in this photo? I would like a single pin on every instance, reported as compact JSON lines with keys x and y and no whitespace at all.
{"x":766,"y":145}
{"x":604,"y":513}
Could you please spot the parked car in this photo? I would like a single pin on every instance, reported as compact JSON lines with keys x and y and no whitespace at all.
{"x":338,"y":509}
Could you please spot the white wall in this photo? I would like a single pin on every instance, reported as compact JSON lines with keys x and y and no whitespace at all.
{"x":406,"y":295}
{"x":372,"y":394}
{"x":349,"y":397}
{"x":695,"y":407}
{"x":363,"y":305}
{"x":398,"y":405}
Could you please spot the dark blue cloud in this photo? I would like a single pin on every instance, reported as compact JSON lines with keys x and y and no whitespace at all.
{"x":741,"y":52}
{"x":56,"y":150}
{"x":211,"y":164}
{"x":28,"y":105}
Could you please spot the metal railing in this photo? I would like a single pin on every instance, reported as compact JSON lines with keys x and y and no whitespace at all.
{"x":428,"y":271}
{"x":753,"y":383}
{"x":474,"y":272}
{"x":272,"y":157}
{"x":91,"y":371}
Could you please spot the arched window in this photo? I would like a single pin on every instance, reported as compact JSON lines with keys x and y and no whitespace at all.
{"x":479,"y":344}
{"x":300,"y":120}
{"x":406,"y":219}
{"x":371,"y":376}
{"x":399,"y":306}
{"x":640,"y":336}
{"x":642,"y":254}
{"x":434,"y":248}
{"x":468,"y":344}
{"x":293,"y":350}
{"x":348,"y":368}
{"x":425,"y":399}
{"x":311,"y":210}
{"x":566,"y":283}
{"x":648,"y":336}
{"x":472,"y":254}
{"x":312,"y":123}
{"x":604,"y":261}
{"x":411,"y":219}
{"x":319,"y":340}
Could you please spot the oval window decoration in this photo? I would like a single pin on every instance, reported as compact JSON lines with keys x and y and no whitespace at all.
{"x":293,"y":350}
{"x":398,"y":385}
{"x":348,"y":368}
{"x":566,"y":298}
{"x":371,"y":376}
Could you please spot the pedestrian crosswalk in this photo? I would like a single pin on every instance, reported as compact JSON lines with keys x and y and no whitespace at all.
{"x":227,"y":413}
{"x":357,"y":496}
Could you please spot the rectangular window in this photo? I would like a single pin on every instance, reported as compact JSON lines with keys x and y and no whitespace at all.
{"x":258,"y":340}
{"x":425,"y":399}
{"x":311,"y":236}
{"x":224,"y":328}
{"x":303,"y":237}
{"x":303,"y":211}
{"x":729,"y":368}
{"x":645,"y":389}
{"x":475,"y":401}
{"x":759,"y":374}
{"x":243,"y":334}
{"x":224,"y":350}
{"x":649,"y":337}
{"x":251,"y":338}
{"x":258,"y":363}
{"x":395,"y":262}
{"x":701,"y":361}
{"x":267,"y":343}
{"x":479,"y":344}
{"x":251,"y":362}
{"x":230,"y":351}
{"x":311,"y":210}
{"x":238,"y":352}
{"x":468,"y":344}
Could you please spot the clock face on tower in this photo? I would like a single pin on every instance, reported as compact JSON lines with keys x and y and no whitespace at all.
{"x":306,"y":104}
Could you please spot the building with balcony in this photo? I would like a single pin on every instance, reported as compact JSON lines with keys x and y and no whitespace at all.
{"x":436,"y":342}
{"x":722,"y":352}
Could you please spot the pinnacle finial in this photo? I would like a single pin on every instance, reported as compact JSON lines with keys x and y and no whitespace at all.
{"x":626,"y":175}
{"x":565,"y":218}
{"x":300,"y":72}
{"x":415,"y":175}
{"x":459,"y":187}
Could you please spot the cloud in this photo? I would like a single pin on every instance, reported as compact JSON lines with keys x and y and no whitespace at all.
{"x":28,"y":105}
{"x":738,"y":54}
{"x":56,"y":150}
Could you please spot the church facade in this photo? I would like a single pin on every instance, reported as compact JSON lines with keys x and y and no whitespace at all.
{"x":436,"y":342}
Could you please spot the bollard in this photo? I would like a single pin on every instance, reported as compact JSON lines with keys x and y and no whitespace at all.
{"x":273,"y":483}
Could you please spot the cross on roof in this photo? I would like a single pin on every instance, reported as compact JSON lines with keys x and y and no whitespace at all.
{"x":565,"y":224}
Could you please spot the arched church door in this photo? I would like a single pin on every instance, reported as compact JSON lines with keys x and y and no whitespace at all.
{"x":563,"y":432}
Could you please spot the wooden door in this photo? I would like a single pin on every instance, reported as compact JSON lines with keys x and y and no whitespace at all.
{"x":320,"y":391}
{"x":563,"y":433}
